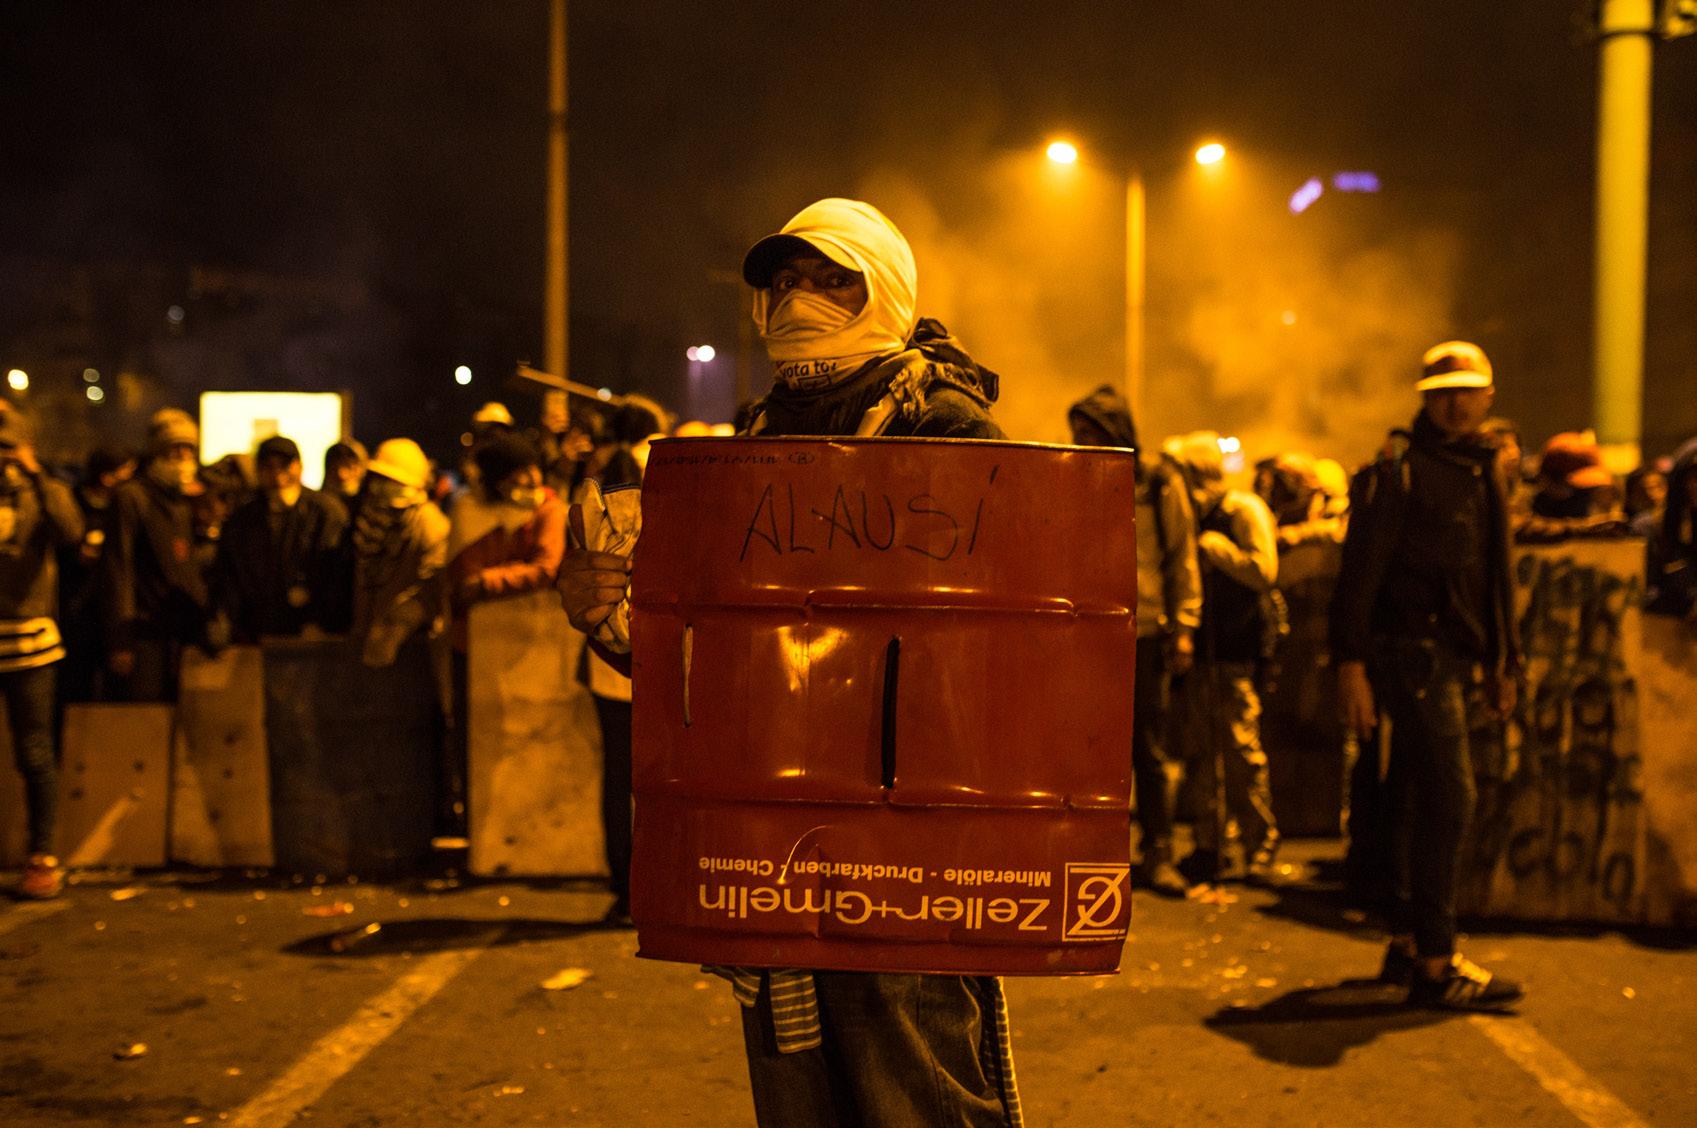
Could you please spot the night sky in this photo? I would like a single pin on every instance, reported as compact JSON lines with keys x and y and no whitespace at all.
{"x":388,"y":158}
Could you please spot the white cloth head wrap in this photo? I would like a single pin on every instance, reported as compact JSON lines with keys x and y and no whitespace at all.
{"x":859,"y":237}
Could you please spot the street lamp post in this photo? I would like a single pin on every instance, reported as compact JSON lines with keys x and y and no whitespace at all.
{"x":1136,"y":282}
{"x":1136,"y":260}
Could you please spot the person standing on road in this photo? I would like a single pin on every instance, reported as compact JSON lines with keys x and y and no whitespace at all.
{"x":1220,"y":708}
{"x":400,"y":544}
{"x":835,"y":303}
{"x":276,"y":562}
{"x":636,"y":422}
{"x":1169,"y":609}
{"x":82,"y":573}
{"x":1423,"y":608}
{"x":38,"y":518}
{"x":157,"y":596}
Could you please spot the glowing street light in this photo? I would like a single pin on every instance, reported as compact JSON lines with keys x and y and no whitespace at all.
{"x":701,"y":354}
{"x":18,"y":380}
{"x":1136,"y":268}
{"x":95,"y":394}
{"x":462,"y":375}
{"x":1062,"y":152}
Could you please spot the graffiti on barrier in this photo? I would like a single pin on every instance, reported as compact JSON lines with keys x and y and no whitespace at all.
{"x":1559,"y":820}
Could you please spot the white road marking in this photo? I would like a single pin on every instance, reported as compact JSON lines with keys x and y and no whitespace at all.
{"x":333,"y":1055}
{"x":1556,"y":1072}
{"x":20,"y":915}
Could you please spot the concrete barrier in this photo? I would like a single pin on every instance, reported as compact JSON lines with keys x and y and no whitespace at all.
{"x":220,"y":770}
{"x":112,"y":782}
{"x":1588,"y":797}
{"x":534,"y":757}
{"x":354,"y":754}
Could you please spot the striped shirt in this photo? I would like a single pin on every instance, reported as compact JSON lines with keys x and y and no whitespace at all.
{"x":28,"y":643}
{"x":796,"y":1026}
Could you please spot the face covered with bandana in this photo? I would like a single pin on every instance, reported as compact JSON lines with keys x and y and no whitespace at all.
{"x":175,"y":468}
{"x":834,"y":289}
{"x":386,"y":493}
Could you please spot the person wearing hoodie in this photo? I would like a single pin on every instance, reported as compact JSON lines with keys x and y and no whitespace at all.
{"x":400,"y":542}
{"x":835,"y":302}
{"x":1169,"y":609}
{"x":38,"y":518}
{"x":157,"y":597}
{"x":1423,"y":610}
{"x":82,"y":576}
{"x":1220,"y":708}
{"x":1671,"y":555}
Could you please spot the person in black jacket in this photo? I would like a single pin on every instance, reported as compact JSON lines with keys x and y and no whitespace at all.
{"x":1421,"y":610}
{"x":81,"y":568}
{"x":156,"y":595}
{"x":1671,"y":555}
{"x":37,"y":519}
{"x":835,"y":303}
{"x":1169,"y":609}
{"x":276,"y":563}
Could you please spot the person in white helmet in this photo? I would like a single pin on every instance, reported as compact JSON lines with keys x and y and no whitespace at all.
{"x":1423,"y":610}
{"x":835,"y":303}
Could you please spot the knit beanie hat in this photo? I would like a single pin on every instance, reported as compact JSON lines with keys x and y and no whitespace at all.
{"x":279,"y":447}
{"x":169,"y":427}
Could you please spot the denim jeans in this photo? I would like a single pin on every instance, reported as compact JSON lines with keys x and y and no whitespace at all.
{"x":1149,"y":750}
{"x":899,"y":1051}
{"x":30,"y":708}
{"x":1421,"y":689}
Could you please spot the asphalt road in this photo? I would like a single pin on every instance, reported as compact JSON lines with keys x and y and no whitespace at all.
{"x":222,"y":999}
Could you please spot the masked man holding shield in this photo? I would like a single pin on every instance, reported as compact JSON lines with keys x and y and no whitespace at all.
{"x":836,"y":305}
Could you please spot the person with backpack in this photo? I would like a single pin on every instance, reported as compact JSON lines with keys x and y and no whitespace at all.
{"x":1423,"y":611}
{"x":1226,"y":773}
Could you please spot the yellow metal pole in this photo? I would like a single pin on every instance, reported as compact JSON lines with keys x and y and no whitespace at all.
{"x":1135,"y":283}
{"x":1626,"y":28}
{"x":556,"y":299}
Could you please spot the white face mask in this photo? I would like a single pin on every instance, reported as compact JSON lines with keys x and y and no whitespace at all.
{"x":803,"y":325}
{"x":802,"y":315}
{"x":815,"y":343}
{"x":174,"y":473}
{"x":527,"y":498}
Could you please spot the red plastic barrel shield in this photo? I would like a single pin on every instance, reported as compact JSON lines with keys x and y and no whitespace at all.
{"x":883,"y":698}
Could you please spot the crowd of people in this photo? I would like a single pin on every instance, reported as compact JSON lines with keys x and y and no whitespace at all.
{"x":110,"y":571}
{"x":109,"y":574}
